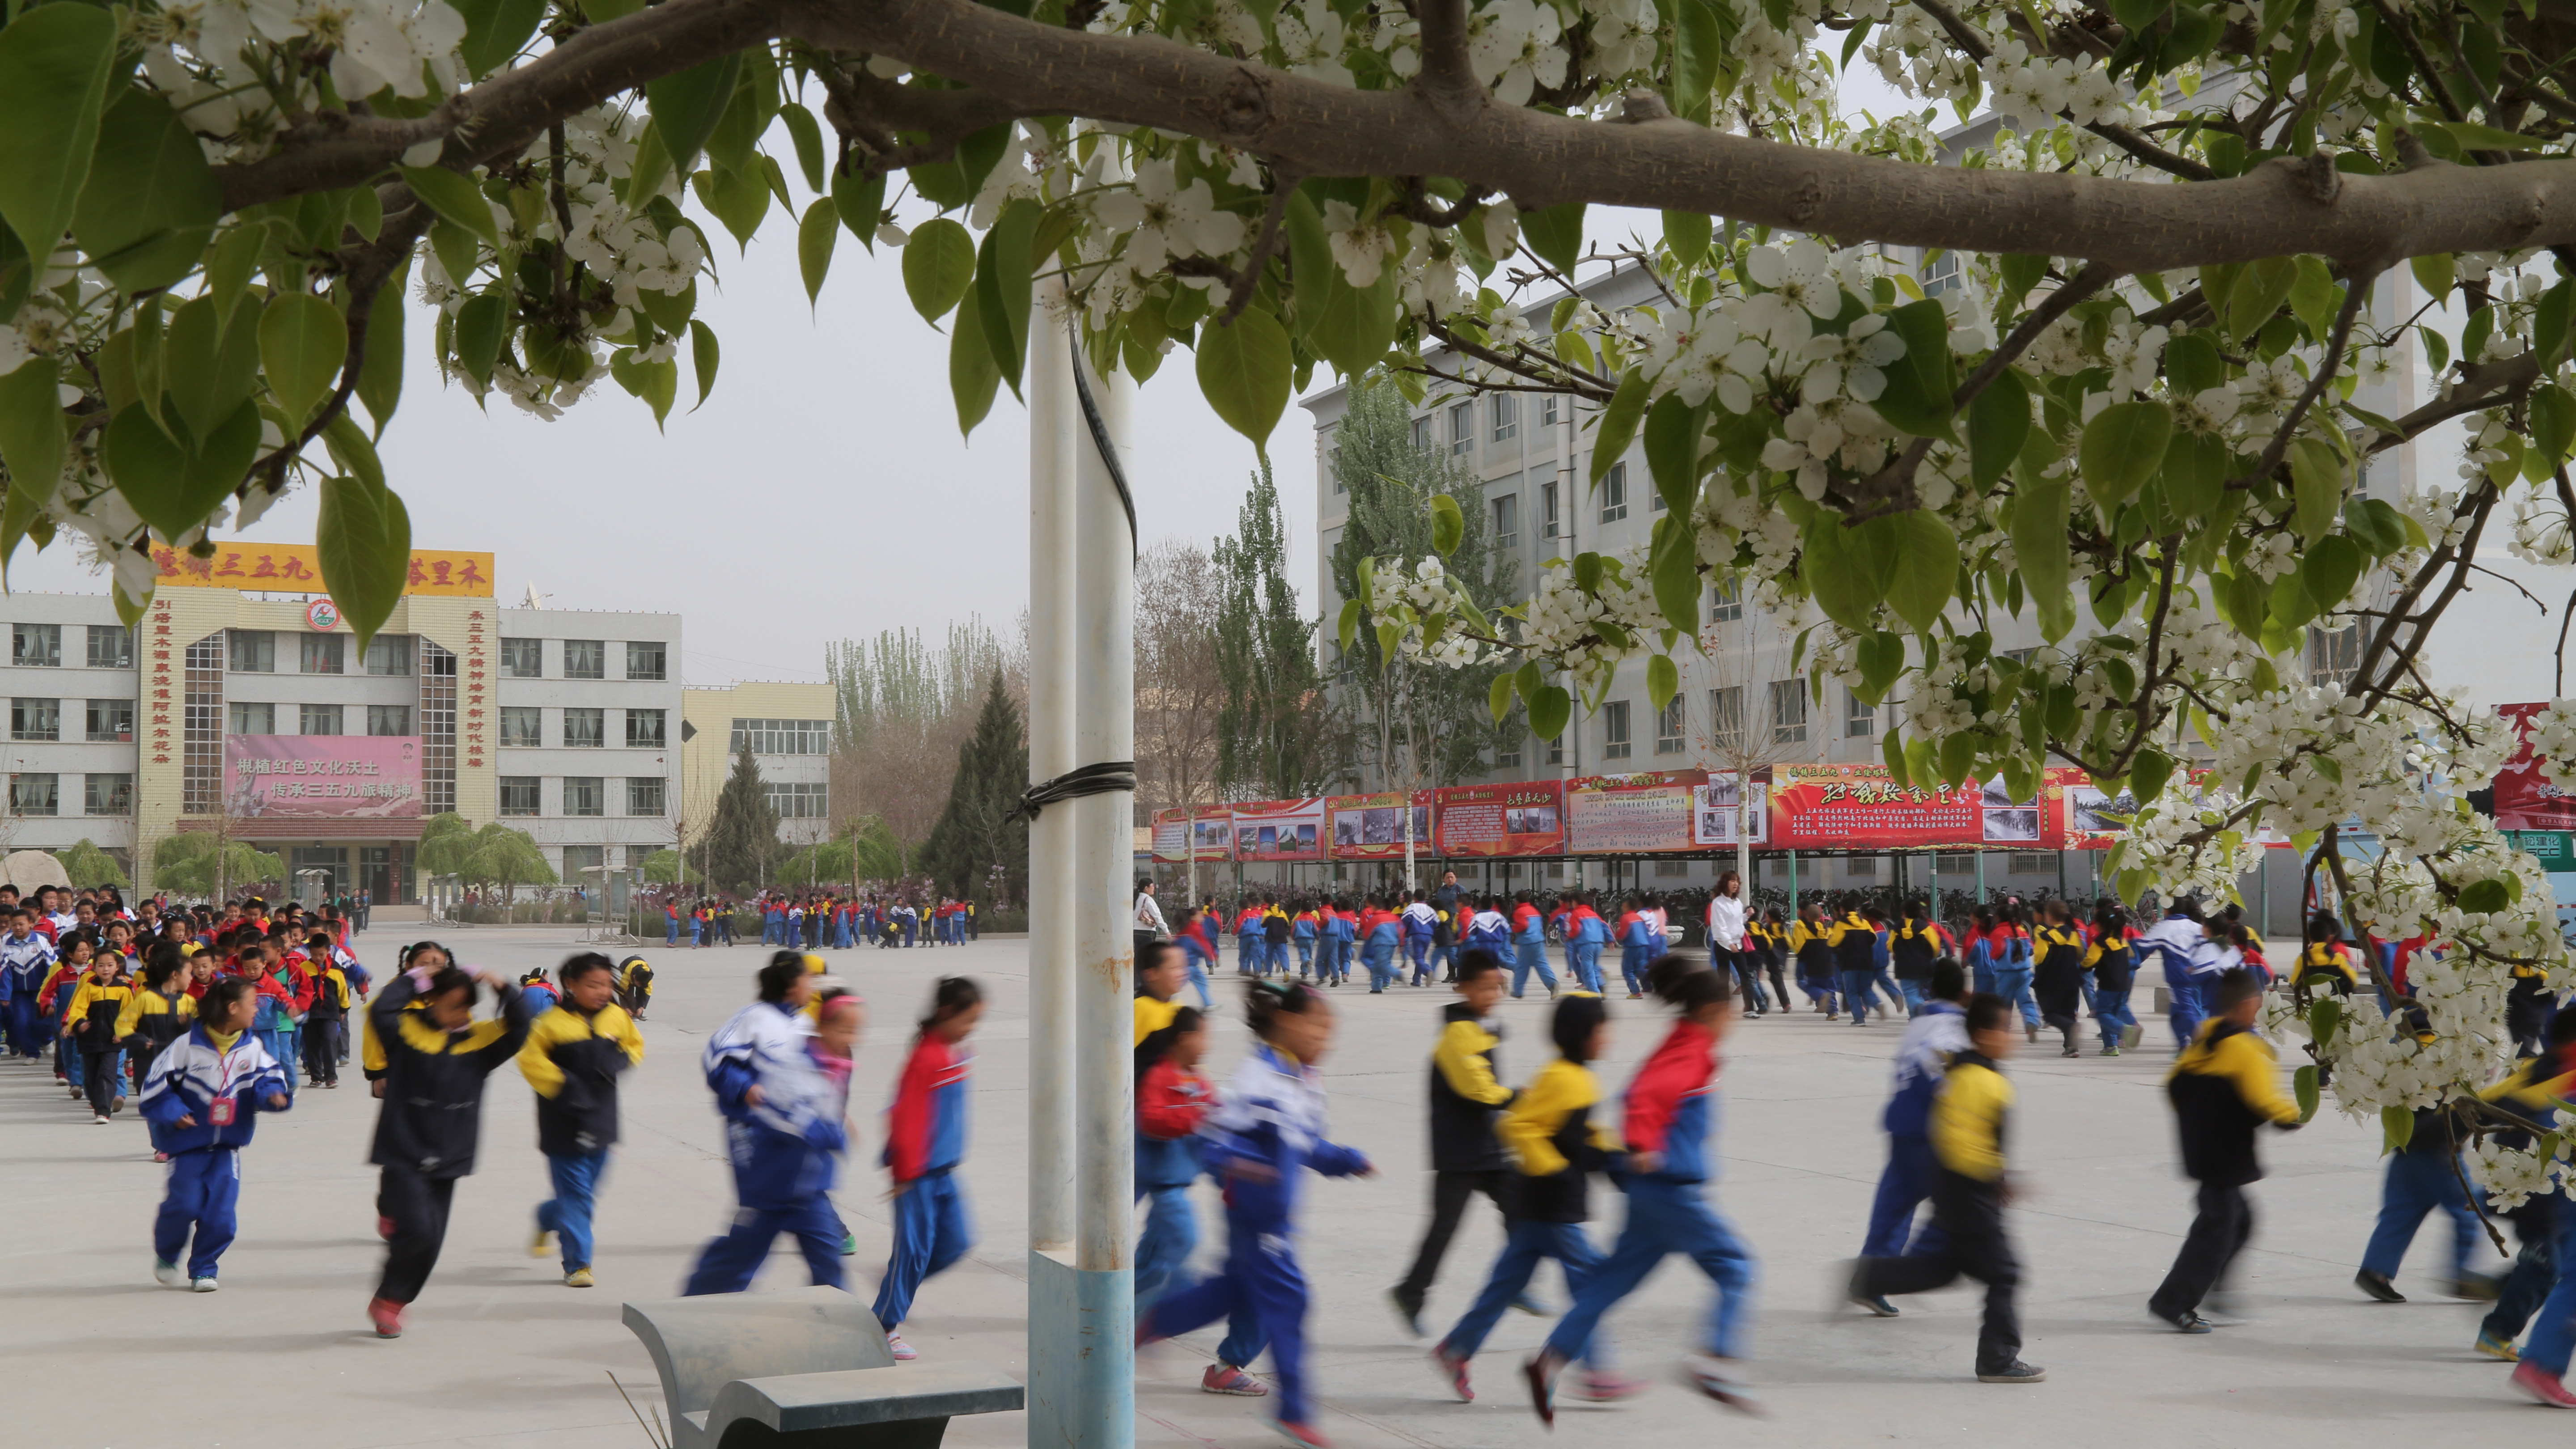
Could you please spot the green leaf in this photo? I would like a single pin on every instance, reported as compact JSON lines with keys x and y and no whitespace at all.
{"x":364,"y":542}
{"x":815,"y":237}
{"x":2435,"y":272}
{"x":456,"y":199}
{"x":2377,"y":527}
{"x":1673,"y":429}
{"x":1243,"y":370}
{"x":151,"y":201}
{"x":1921,"y":383}
{"x":174,"y":487}
{"x":1555,"y":234}
{"x":2303,"y":1086}
{"x":740,"y":199}
{"x":2194,"y":476}
{"x":1882,"y":660}
{"x":2192,"y":364}
{"x":1352,"y":326}
{"x":2148,"y":772}
{"x":1891,"y":748}
{"x":1672,"y":563}
{"x":860,"y":199}
{"x":808,"y":136}
{"x":1699,"y":51}
{"x":1927,"y":566}
{"x":302,"y":344}
{"x":2474,"y":137}
{"x":495,"y":30}
{"x":703,"y":356}
{"x":1998,"y":424}
{"x":2122,"y":448}
{"x":1618,"y":424}
{"x":656,"y":383}
{"x":2332,"y":566}
{"x":2258,"y":292}
{"x":2314,"y":297}
{"x":1663,"y":680}
{"x":938,"y":266}
{"x":687,"y":105}
{"x":380,"y":372}
{"x":480,"y":325}
{"x":2397,"y":1126}
{"x":973,"y":379}
{"x":2324,"y":1015}
{"x":32,"y":442}
{"x":1686,"y":233}
{"x":731,"y":145}
{"x":1448,"y":525}
{"x":1850,"y":569}
{"x":55,"y":61}
{"x":2317,"y":480}
{"x":1350,"y":622}
{"x":2553,"y":424}
{"x":1002,"y":277}
{"x":2485,"y":897}
{"x":211,"y":363}
{"x":348,"y":446}
{"x":1550,"y":711}
{"x":1498,"y":696}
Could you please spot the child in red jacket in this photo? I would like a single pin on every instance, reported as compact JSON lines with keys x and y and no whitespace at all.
{"x":1171,"y":1100}
{"x":925,"y":1138}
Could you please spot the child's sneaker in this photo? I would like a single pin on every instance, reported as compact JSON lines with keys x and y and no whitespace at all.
{"x":1300,"y":1434}
{"x":385,"y":1227}
{"x":1453,"y":1371}
{"x":99,"y":1118}
{"x":2129,"y":1035}
{"x":167,"y":1275}
{"x":1225,"y":1378}
{"x":579,"y":1278}
{"x":538,"y":1246}
{"x":1715,"y":1377}
{"x":201,"y":1285}
{"x":2110,"y":1051}
{"x":2496,"y":1347}
{"x":1539,"y":1371}
{"x":902,"y":1351}
{"x":1605,"y":1388}
{"x":2543,"y":1386}
{"x":849,"y":1245}
{"x":2015,"y":1372}
{"x":1408,"y":1314}
{"x":160,"y":1156}
{"x":387,"y":1316}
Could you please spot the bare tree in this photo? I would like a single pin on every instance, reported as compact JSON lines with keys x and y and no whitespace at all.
{"x":1735,"y":731}
{"x":1180,"y":690}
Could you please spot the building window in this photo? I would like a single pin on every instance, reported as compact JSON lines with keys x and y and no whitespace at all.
{"x":644,"y":795}
{"x":2333,"y":654}
{"x":585,"y":659}
{"x":35,"y":795}
{"x":317,"y":719}
{"x":388,"y":719}
{"x":1614,"y":493}
{"x":389,"y":656}
{"x":1547,"y":510}
{"x":1507,"y":521}
{"x":1726,"y":717}
{"x":1860,"y":718}
{"x":1668,"y":727}
{"x":585,"y":729}
{"x":580,"y":859}
{"x":522,"y":727}
{"x":36,"y":646}
{"x":644,"y":729}
{"x":1556,"y":750}
{"x":646,"y":660}
{"x":1726,"y":602}
{"x":1503,"y":412}
{"x":1861,"y":867}
{"x":1788,"y":711}
{"x":1667,"y":869}
{"x":252,"y":719}
{"x":1940,"y":273}
{"x":1422,"y":439}
{"x":1548,"y":414}
{"x":520,"y":795}
{"x":523,"y":658}
{"x":438,"y":728}
{"x":1462,"y":429}
{"x":111,"y":646}
{"x":201,"y":749}
{"x":1507,"y":759}
{"x":796,"y":802}
{"x":585,"y":795}
{"x":2030,"y":862}
{"x":254,"y":651}
{"x":107,"y":795}
{"x":1614,"y":730}
{"x":1955,"y":865}
{"x":35,"y":719}
{"x":324,"y":654}
{"x":782,"y":736}
{"x":109,"y":722}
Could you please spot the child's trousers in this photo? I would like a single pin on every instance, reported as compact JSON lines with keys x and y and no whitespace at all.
{"x":1666,"y":1217}
{"x":204,"y":1186}
{"x":730,"y":1262}
{"x":1171,"y":1235}
{"x":930,"y":1233}
{"x":1260,"y":1285}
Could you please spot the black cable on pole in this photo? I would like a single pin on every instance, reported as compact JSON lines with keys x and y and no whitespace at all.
{"x":1100,"y":779}
{"x":1100,"y":439}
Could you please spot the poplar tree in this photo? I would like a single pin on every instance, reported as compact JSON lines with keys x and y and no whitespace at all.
{"x":743,"y":838}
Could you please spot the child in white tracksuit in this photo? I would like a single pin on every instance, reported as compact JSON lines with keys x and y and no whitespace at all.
{"x":202,"y":1098}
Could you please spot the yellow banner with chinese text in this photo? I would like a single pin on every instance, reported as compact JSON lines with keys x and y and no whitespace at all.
{"x":296,"y":568}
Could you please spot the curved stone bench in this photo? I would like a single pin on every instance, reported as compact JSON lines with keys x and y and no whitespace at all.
{"x":801,"y":1369}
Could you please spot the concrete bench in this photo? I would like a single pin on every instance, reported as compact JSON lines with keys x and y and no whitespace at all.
{"x":803,"y":1369}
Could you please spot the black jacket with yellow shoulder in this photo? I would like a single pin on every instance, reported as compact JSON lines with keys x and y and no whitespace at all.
{"x":1555,"y":1144}
{"x":2224,"y":1086}
{"x":1912,"y":946}
{"x":433,"y":1104}
{"x":573,"y":1060}
{"x":1969,"y":1117}
{"x":1464,"y":1093}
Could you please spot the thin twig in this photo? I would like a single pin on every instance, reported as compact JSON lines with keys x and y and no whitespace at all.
{"x":2356,"y":294}
{"x":1249,"y":279}
{"x":658,"y":1441}
{"x":1965,"y":36}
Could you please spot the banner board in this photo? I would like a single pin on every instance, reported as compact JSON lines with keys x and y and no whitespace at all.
{"x":1171,"y":837}
{"x":1279,"y":829}
{"x":1523,"y":818}
{"x":2523,"y":799}
{"x":1211,"y":833}
{"x":334,"y":777}
{"x":1632,"y":814}
{"x":1371,"y":827}
{"x":1713,"y":810}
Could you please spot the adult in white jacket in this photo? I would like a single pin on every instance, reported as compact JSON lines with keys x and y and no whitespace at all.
{"x":1726,"y":915}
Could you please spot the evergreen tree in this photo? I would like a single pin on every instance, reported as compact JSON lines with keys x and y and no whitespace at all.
{"x":977,"y":831}
{"x":1272,"y":731}
{"x":743,"y":837}
{"x":1418,"y":725}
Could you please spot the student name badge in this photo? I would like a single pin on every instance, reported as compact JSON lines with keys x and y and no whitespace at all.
{"x":219,"y":1112}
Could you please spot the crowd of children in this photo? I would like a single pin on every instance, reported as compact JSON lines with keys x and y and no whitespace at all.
{"x":819,"y":921}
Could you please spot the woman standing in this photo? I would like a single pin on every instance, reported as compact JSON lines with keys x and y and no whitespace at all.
{"x":1726,"y":947}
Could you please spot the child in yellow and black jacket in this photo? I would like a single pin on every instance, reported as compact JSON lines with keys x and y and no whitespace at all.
{"x":89,"y":1024}
{"x":1970,"y":1115}
{"x":2057,"y":971}
{"x":573,"y":1057}
{"x":2224,"y":1086}
{"x":330,"y":1008}
{"x":1811,"y":945}
{"x":1554,"y":1144}
{"x":1466,"y":1156}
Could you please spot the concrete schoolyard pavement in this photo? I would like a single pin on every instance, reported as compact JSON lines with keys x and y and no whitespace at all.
{"x":499,"y":1353}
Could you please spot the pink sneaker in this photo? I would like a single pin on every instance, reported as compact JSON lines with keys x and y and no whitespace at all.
{"x":1607,"y":1388}
{"x":1225,"y":1378}
{"x":1453,"y":1371}
{"x":902,"y":1351}
{"x":2543,"y":1386}
{"x":1301,"y":1434}
{"x":387,"y":1316}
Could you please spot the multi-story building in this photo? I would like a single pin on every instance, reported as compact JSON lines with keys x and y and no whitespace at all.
{"x":789,"y":729}
{"x":245,"y":708}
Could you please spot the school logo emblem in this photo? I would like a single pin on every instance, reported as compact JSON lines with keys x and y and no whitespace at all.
{"x":322,"y":615}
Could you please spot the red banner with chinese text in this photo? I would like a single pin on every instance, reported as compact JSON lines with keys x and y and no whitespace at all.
{"x":1523,"y":818}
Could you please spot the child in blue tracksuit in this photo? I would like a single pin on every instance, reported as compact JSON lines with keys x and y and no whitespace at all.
{"x":1936,"y":1034}
{"x":1171,"y":1100}
{"x":1301,"y":934}
{"x":925,"y":1140}
{"x":1258,"y":1142}
{"x":1378,"y":951}
{"x":202,"y":1098}
{"x":1636,"y":946}
{"x":785,"y":1124}
{"x":1665,"y":1127}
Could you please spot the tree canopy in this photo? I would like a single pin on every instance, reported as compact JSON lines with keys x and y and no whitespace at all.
{"x":742,"y":839}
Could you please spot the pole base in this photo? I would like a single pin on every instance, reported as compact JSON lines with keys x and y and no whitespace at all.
{"x":1082,"y":1355}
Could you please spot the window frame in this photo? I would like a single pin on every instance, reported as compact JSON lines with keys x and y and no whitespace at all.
{"x":1860,"y":717}
{"x":120,"y":657}
{"x":1726,"y":703}
{"x":404,"y":718}
{"x":381,"y":649}
{"x":1462,"y":429}
{"x":1672,"y":724}
{"x":1507,"y":520}
{"x":1618,"y":740}
{"x":533,"y":798}
{"x":661,"y":656}
{"x":536,"y":739}
{"x":598,"y":719}
{"x":594,"y":787}
{"x":118,"y":804}
{"x":661,"y":797}
{"x":331,"y":650}
{"x":661,"y":729}
{"x":1614,"y":493}
{"x":48,"y":656}
{"x":250,"y":651}
{"x":232,"y":712}
{"x":111,"y":735}
{"x":598,"y":654}
{"x":307,"y":712}
{"x":510,"y":658}
{"x":1786,"y":729}
{"x":19,"y":793}
{"x":1502,"y":417}
{"x":26,"y":713}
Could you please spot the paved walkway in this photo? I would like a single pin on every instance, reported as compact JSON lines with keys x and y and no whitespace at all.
{"x":499,"y":1353}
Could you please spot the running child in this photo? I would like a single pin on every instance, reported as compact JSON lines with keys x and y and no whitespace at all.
{"x":2223,"y":1087}
{"x":203,"y":1099}
{"x":89,"y":1021}
{"x":786,"y":1124}
{"x":925,"y":1140}
{"x":1171,"y":1100}
{"x":573,"y":1058}
{"x":2057,"y":971}
{"x":1936,"y":1034}
{"x":1466,"y":1156}
{"x":1266,"y":1131}
{"x":2113,"y":962}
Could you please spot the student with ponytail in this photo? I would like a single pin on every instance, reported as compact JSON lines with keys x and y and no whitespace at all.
{"x":925,"y":1140}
